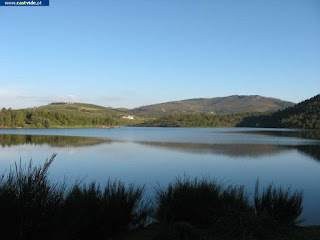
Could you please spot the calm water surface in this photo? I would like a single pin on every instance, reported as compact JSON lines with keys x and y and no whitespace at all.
{"x":155,"y":156}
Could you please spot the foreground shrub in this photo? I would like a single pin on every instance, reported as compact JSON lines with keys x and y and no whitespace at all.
{"x":104,"y":213}
{"x":238,"y":220}
{"x":204,"y":209}
{"x":29,"y":202}
{"x":32,"y":207}
{"x":194,"y":201}
{"x":202,"y":203}
{"x":282,"y":205}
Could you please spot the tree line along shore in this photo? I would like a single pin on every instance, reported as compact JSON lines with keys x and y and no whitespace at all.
{"x":304,"y":115}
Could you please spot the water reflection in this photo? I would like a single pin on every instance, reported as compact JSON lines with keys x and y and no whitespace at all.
{"x":310,"y":150}
{"x":230,"y":150}
{"x":237,"y":150}
{"x":305,"y":134}
{"x":8,"y":140}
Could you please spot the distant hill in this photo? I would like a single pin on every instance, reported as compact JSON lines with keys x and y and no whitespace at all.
{"x":60,"y":114}
{"x":83,"y":109}
{"x":303,"y":115}
{"x":219,"y":105}
{"x":92,"y":111}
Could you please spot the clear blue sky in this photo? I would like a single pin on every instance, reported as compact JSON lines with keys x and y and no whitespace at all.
{"x":127,"y":53}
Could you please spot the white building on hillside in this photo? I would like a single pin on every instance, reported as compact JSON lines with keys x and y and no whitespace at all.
{"x":128,"y":117}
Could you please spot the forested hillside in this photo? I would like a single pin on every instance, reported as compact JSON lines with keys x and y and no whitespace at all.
{"x":62,"y":114}
{"x":303,"y":115}
{"x":47,"y":119}
{"x":199,"y":120}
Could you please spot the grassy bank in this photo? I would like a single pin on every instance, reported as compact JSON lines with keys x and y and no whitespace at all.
{"x":32,"y":207}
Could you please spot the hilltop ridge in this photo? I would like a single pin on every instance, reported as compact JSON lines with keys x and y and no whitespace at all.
{"x":218,"y":105}
{"x":302,"y":115}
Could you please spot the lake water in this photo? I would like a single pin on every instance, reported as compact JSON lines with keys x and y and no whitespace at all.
{"x":155,"y":156}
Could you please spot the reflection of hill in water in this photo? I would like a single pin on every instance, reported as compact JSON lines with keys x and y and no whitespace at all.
{"x":54,"y":141}
{"x":310,"y":150}
{"x":236,"y":150}
{"x":231,"y":150}
{"x":312,"y":134}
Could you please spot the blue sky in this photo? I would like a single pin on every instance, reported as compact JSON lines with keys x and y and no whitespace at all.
{"x":127,"y":53}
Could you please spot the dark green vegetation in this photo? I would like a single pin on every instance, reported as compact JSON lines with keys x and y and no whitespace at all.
{"x":106,"y":213}
{"x":205,"y":209}
{"x":57,"y":115}
{"x":282,"y":206}
{"x":38,"y":118}
{"x":32,"y":207}
{"x":28,"y":202}
{"x":303,"y":115}
{"x":219,"y":105}
{"x":199,"y":120}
